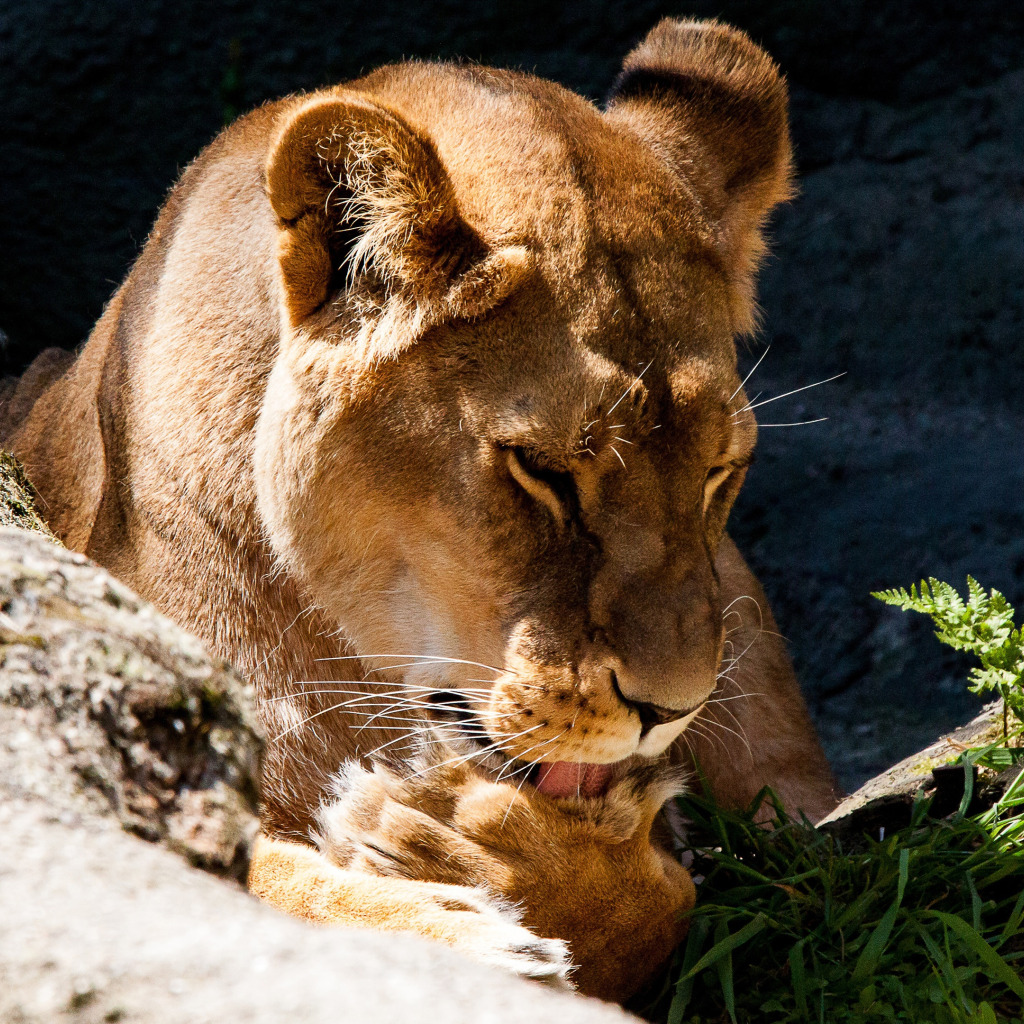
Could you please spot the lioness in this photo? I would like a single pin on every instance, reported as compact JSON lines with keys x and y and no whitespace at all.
{"x":421,"y":405}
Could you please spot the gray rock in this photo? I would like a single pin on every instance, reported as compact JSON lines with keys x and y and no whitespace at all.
{"x":114,"y":721}
{"x":107,"y":706}
{"x":900,"y":264}
{"x":97,"y":926}
{"x":17,"y":507}
{"x":889,"y":796}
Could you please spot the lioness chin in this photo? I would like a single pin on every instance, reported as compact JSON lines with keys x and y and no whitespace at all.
{"x":421,"y":405}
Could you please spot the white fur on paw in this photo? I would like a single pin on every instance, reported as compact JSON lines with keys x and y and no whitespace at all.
{"x":349,"y":777}
{"x":333,"y":832}
{"x":514,"y":948}
{"x":503,"y":941}
{"x":478,"y":900}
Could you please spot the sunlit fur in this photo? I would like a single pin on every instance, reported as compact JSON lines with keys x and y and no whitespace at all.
{"x":428,"y":381}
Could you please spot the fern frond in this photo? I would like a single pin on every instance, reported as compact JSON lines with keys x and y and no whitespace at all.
{"x":982,"y":625}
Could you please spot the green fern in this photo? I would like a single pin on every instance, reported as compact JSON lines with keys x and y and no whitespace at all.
{"x":923,"y":924}
{"x":982,"y":625}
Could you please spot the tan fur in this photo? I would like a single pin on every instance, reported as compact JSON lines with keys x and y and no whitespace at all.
{"x":434,"y":373}
{"x":446,"y":826}
{"x":298,"y":880}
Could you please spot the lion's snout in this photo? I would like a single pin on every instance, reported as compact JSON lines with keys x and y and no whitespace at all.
{"x":593,"y":712}
{"x":667,"y":644}
{"x":564,"y":713}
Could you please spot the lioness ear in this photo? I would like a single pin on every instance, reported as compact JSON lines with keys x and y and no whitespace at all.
{"x":714,"y":106}
{"x":357,"y":190}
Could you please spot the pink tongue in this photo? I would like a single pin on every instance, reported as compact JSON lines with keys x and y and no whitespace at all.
{"x":569,"y":778}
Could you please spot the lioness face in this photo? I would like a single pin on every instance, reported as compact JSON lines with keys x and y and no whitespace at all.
{"x":499,"y":447}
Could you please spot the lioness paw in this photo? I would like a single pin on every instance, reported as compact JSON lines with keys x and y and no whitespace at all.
{"x":516,"y":949}
{"x":374,"y":823}
{"x":555,"y":866}
{"x":299,"y":880}
{"x":369,"y":827}
{"x":491,"y":933}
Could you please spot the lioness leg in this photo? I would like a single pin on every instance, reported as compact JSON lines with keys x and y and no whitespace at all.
{"x":755,"y":731}
{"x":300,"y":881}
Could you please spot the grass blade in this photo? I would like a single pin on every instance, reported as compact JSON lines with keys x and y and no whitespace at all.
{"x":1013,"y":923}
{"x":725,"y":970}
{"x":942,"y":963}
{"x":798,"y":973}
{"x":728,"y":944}
{"x":872,"y":952}
{"x":996,"y":965}
{"x":684,"y":987}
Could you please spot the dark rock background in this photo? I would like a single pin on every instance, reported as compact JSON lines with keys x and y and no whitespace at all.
{"x":900,"y":264}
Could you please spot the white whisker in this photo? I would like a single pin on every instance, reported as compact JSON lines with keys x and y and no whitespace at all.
{"x":418,"y":659}
{"x":409,"y":736}
{"x":742,"y":597}
{"x":630,"y":388}
{"x":522,"y":782}
{"x":743,"y":383}
{"x":806,"y":387}
{"x":520,"y":756}
{"x":305,"y":721}
{"x":740,"y":736}
{"x":462,"y":758}
{"x":738,"y":696}
{"x":519,"y":685}
{"x":359,"y":695}
{"x":798,"y":423}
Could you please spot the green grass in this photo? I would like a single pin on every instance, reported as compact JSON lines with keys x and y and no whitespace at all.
{"x":925,"y":924}
{"x":794,"y":925}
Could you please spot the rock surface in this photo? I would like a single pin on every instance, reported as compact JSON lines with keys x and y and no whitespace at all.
{"x":98,"y":926}
{"x":901,"y":265}
{"x":885,"y":801}
{"x":16,"y":497}
{"x":114,"y":721}
{"x":106,"y":704}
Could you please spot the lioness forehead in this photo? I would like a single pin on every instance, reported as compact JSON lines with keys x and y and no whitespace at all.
{"x":532,"y":160}
{"x":625,"y":270}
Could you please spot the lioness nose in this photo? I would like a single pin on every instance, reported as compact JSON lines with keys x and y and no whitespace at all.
{"x":650,"y":714}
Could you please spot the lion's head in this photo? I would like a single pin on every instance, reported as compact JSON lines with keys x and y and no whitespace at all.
{"x":505,"y":426}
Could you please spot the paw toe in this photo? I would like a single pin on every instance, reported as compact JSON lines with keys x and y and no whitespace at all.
{"x":517,"y":950}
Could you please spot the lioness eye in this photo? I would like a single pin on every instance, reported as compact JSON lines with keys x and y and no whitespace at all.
{"x":715,"y":478}
{"x":554,"y":490}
